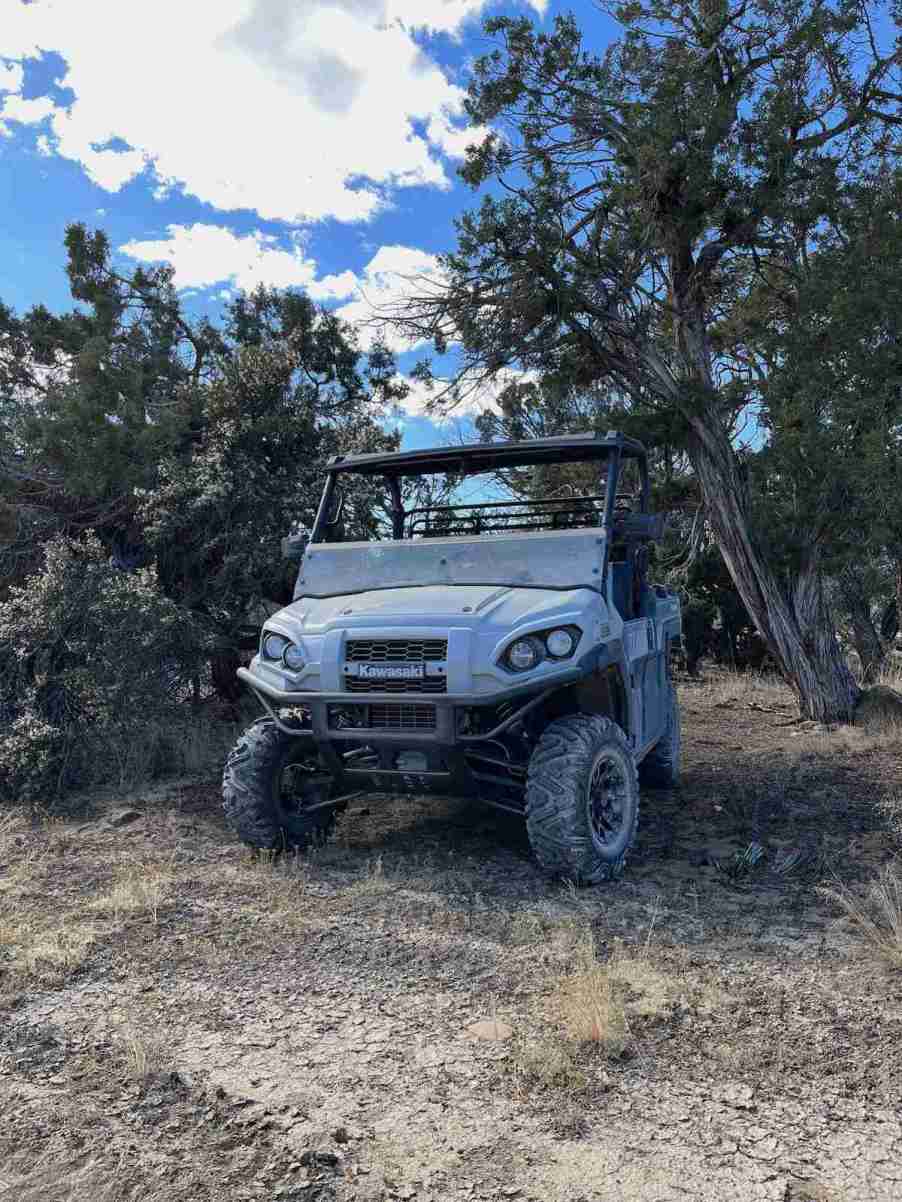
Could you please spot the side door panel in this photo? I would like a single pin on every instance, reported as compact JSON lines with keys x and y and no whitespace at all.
{"x":645,"y":661}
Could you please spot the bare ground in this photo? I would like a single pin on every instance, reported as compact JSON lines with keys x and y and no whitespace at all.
{"x":181,"y":1021}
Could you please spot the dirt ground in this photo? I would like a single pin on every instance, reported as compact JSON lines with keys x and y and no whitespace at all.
{"x":181,"y":1021}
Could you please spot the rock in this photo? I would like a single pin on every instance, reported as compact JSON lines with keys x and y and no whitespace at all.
{"x":123,"y":817}
{"x":490,"y":1029}
{"x":316,"y":1158}
{"x":340,"y":1135}
{"x":879,"y":706}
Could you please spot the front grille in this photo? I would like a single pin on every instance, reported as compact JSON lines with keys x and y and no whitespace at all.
{"x":382,"y":717}
{"x":395,"y":651}
{"x":426,"y":684}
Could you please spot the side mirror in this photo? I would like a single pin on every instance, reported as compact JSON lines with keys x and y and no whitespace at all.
{"x":294,"y":546}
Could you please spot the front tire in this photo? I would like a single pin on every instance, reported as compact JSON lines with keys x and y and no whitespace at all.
{"x":270,"y":781}
{"x":582,"y":799}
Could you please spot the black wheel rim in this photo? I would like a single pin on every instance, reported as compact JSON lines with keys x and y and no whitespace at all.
{"x":608,"y":802}
{"x":300,"y":786}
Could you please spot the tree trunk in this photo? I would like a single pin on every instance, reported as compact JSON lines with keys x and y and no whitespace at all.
{"x":889,"y":623}
{"x":798,"y":628}
{"x":867,"y":641}
{"x":796,"y":624}
{"x":223,"y":668}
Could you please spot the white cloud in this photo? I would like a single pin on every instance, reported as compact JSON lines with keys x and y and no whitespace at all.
{"x":204,"y":255}
{"x":296,"y":111}
{"x":417,"y":402}
{"x":334,"y":287}
{"x":442,"y":16}
{"x":393,"y":273}
{"x":29,"y":112}
{"x":10,"y":77}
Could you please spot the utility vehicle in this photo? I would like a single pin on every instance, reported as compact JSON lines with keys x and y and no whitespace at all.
{"x":470,"y":621}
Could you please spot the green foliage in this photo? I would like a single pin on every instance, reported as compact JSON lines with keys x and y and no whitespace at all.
{"x":654,"y":205}
{"x":186,"y":448}
{"x":89,"y":655}
{"x":160,"y":461}
{"x":832,"y":398}
{"x":94,"y":397}
{"x":289,"y":395}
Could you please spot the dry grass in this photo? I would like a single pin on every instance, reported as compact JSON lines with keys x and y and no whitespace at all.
{"x":890,"y":675}
{"x":594,"y":1001}
{"x":46,"y":953}
{"x":45,"y":938}
{"x":591,"y":1009}
{"x":38,"y":943}
{"x":144,"y":1056}
{"x":649,"y":991}
{"x":137,"y":891}
{"x":591,"y":1005}
{"x":279,"y":887}
{"x":19,"y":859}
{"x":891,"y":810}
{"x":157,"y":749}
{"x":549,"y":1064}
{"x":726,"y":687}
{"x":877,"y":916}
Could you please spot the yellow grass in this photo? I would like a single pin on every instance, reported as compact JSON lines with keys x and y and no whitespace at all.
{"x":594,"y":1000}
{"x":876,"y":917}
{"x":137,"y":891}
{"x":727,"y":687}
{"x":143,"y":1054}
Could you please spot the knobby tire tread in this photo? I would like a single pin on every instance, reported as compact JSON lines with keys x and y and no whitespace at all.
{"x":556,"y":786}
{"x":247,"y":792}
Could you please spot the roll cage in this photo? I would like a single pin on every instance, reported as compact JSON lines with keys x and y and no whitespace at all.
{"x":606,"y":509}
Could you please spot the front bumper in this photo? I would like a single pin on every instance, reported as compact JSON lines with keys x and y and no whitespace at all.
{"x":446,"y":706}
{"x":450,"y":761}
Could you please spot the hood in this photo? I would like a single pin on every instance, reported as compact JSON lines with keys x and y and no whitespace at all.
{"x":473,"y":606}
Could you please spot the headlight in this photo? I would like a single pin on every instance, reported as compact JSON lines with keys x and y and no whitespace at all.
{"x":293,"y":658}
{"x":554,"y":645}
{"x":524,"y":654}
{"x":560,"y":643}
{"x":272,"y":645}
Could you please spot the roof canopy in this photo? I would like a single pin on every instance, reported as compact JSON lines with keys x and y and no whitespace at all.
{"x":489,"y":456}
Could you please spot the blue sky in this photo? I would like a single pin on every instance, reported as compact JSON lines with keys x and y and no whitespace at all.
{"x":310,"y":143}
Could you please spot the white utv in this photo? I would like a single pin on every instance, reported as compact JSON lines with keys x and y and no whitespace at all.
{"x":510,"y":650}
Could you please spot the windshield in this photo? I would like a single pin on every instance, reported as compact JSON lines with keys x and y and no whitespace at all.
{"x":559,"y":497}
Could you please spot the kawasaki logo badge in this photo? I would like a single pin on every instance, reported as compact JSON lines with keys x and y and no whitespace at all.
{"x":386,"y":671}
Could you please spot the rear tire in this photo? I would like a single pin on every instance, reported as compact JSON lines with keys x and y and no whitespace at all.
{"x":270,"y":779}
{"x":582,"y":799}
{"x":661,"y":767}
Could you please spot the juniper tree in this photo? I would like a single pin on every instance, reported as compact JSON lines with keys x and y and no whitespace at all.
{"x":634,"y":194}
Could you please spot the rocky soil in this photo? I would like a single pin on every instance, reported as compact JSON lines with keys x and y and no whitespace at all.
{"x":387,"y":1017}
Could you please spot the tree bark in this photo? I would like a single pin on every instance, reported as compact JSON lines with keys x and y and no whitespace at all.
{"x":794,"y":622}
{"x":797,"y":625}
{"x":867,"y":642}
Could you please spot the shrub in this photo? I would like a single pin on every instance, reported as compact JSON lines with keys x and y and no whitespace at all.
{"x":89,"y":656}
